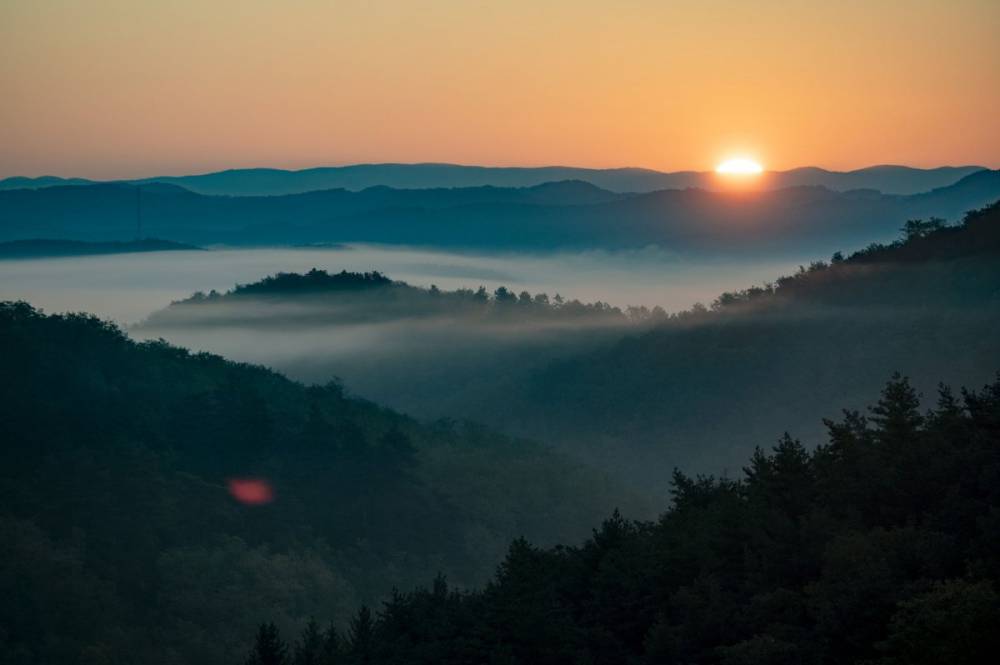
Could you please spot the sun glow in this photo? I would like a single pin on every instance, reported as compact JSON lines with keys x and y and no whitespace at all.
{"x":739,"y":166}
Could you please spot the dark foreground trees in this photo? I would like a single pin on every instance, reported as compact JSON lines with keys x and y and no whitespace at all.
{"x":156,"y":503}
{"x":880,"y":547}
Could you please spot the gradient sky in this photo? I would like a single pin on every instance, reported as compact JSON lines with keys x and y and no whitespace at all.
{"x":125,"y":88}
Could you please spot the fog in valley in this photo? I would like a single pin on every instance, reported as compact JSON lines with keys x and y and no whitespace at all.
{"x":129,"y":287}
{"x":608,"y":372}
{"x":429,"y":366}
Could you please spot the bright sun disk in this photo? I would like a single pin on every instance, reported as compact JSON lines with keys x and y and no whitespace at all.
{"x":740,"y":166}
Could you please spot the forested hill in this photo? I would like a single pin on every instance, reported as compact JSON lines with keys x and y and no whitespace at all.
{"x":695,"y":390}
{"x":880,"y":547}
{"x":318,"y":297}
{"x":122,"y":471}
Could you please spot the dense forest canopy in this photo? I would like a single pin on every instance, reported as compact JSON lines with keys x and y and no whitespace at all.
{"x":121,"y":540}
{"x":160,"y":503}
{"x":882,"y":546}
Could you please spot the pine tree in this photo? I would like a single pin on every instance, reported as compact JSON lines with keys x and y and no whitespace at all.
{"x":361,"y":636}
{"x":896,"y":414}
{"x":333,"y":646}
{"x":309,"y":648}
{"x":268,"y":649}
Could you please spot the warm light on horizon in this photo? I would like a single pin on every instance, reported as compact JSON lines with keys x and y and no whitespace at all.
{"x":739,"y":166}
{"x":119,"y":89}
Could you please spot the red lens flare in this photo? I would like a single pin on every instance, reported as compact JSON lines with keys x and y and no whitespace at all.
{"x":251,"y":491}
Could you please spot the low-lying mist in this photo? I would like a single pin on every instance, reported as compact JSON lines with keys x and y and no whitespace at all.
{"x":426,"y":351}
{"x":631,"y":392}
{"x":429,"y":364}
{"x":129,"y":287}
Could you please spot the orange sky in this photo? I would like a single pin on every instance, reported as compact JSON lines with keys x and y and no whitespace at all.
{"x":124,"y":88}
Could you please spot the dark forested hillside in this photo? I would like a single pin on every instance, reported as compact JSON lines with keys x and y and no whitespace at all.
{"x":569,"y":214}
{"x":695,"y":388}
{"x":155,"y":504}
{"x":882,"y":546}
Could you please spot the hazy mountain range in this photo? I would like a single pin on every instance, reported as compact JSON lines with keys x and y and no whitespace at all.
{"x":33,"y":249}
{"x":888,"y":179}
{"x":568,"y":214}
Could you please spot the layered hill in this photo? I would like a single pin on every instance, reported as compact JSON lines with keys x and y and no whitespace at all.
{"x":888,"y":179}
{"x":37,"y":248}
{"x":416,"y":349}
{"x":568,"y":214}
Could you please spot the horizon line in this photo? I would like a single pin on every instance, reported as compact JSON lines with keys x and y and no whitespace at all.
{"x":487,"y":167}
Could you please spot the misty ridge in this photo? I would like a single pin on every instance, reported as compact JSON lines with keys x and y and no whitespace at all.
{"x":37,"y":248}
{"x":889,"y":179}
{"x":545,"y":217}
{"x":128,"y":287}
{"x":633,"y":390}
{"x":380,"y":335}
{"x":372,"y":297}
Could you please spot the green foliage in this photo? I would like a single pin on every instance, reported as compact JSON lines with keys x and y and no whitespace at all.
{"x":119,"y":536}
{"x":872,"y":548}
{"x":955,"y":621}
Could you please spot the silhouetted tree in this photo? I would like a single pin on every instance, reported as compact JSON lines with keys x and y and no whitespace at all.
{"x":361,"y":637}
{"x":268,"y":648}
{"x":309,"y":650}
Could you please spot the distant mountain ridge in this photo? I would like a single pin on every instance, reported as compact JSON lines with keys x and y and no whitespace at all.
{"x":888,"y":179}
{"x":569,"y":214}
{"x":39,"y":248}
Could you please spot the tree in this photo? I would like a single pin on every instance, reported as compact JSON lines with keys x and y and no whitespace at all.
{"x":897,"y":413}
{"x":918,"y":228}
{"x":309,"y":648}
{"x":955,"y":622}
{"x":361,"y":637}
{"x":503,"y":296}
{"x":269,"y":648}
{"x":333,"y":647}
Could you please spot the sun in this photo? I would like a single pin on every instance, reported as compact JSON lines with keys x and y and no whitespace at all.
{"x":739,"y":166}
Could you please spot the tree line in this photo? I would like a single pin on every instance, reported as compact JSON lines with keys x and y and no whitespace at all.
{"x":881,"y":546}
